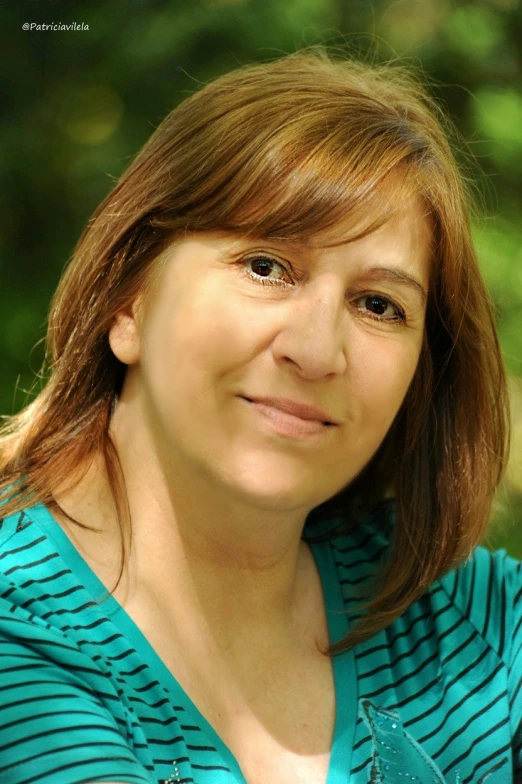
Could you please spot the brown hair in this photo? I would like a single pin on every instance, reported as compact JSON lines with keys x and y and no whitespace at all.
{"x":286,"y":149}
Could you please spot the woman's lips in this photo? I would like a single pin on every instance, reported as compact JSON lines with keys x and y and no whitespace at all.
{"x":288,"y":424}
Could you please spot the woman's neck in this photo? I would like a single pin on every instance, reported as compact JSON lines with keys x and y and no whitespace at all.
{"x":228,"y":568}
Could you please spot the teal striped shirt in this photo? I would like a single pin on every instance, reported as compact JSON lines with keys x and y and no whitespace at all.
{"x":435,"y":698}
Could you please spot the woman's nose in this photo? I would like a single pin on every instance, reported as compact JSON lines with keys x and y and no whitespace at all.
{"x":314,"y":332}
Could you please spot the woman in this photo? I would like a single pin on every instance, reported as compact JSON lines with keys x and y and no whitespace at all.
{"x":272,"y":429}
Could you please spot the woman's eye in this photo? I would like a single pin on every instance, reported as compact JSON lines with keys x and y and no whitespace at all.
{"x":262,"y":270}
{"x":269,"y":272}
{"x":380,"y":308}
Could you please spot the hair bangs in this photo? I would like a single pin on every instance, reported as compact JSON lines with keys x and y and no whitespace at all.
{"x":308,"y":203}
{"x":293,"y":190}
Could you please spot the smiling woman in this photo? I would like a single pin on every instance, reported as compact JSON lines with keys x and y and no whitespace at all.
{"x":241,"y":521}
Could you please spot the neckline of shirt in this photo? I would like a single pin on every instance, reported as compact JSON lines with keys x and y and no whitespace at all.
{"x":344,"y":669}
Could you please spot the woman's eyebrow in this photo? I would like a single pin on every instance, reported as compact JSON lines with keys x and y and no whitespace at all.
{"x":394,"y":275}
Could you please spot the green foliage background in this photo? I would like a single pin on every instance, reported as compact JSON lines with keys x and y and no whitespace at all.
{"x":80,"y":103}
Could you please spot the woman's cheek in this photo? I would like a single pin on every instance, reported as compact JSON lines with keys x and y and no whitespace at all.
{"x":387,"y":376}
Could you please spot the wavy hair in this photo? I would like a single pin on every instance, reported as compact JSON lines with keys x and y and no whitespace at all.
{"x":287,"y":149}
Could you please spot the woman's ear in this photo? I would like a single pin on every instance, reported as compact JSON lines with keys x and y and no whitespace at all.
{"x":124,"y":337}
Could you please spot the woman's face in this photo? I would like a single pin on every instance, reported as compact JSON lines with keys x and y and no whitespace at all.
{"x":232,"y":320}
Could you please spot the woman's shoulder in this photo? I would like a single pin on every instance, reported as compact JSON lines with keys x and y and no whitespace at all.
{"x":487,"y":590}
{"x":26,"y":537}
{"x":485,"y":571}
{"x":12,"y":525}
{"x":24,"y":544}
{"x":55,"y":661}
{"x":41,"y":577}
{"x":37,"y":585}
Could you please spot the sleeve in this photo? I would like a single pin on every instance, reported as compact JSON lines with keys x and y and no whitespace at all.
{"x":61,"y":721}
{"x":514,"y":594}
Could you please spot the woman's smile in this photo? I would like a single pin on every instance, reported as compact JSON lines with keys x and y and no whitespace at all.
{"x":287,"y":424}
